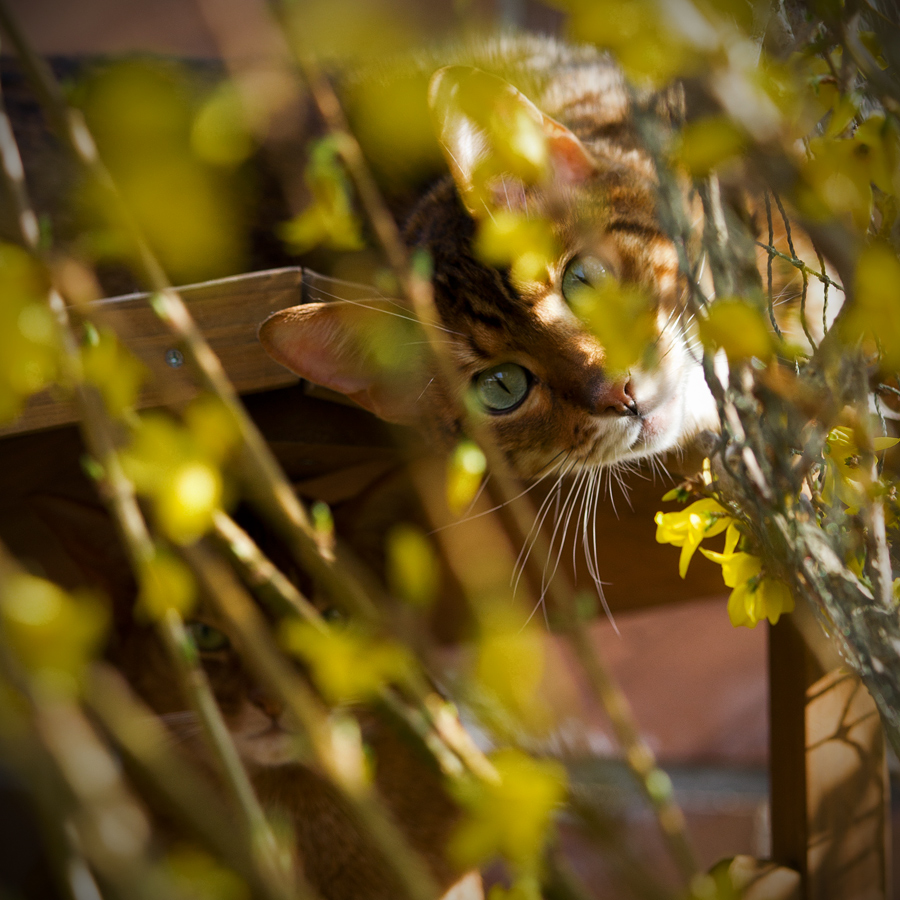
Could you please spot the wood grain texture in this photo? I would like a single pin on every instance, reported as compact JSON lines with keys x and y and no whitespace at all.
{"x":228,"y":312}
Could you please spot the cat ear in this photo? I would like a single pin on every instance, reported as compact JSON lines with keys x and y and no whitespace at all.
{"x":368,"y":352}
{"x":472,"y":108}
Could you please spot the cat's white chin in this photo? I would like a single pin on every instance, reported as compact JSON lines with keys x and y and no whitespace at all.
{"x":679,"y":418}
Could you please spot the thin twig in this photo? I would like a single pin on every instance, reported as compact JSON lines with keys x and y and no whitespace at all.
{"x":141,"y":736}
{"x":257,"y":647}
{"x":799,"y":264}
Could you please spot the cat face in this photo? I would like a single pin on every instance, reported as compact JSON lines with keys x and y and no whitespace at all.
{"x":539,"y":376}
{"x":526,"y":364}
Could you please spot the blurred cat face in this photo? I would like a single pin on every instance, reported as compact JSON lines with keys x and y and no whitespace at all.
{"x":258,"y":723}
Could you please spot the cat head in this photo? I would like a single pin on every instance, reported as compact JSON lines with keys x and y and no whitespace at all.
{"x":530,"y":369}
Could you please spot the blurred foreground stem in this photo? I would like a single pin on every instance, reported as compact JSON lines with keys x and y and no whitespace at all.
{"x":119,"y":493}
{"x":265,"y":482}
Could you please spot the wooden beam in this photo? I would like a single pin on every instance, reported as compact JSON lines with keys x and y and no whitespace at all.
{"x":829,"y":791}
{"x":227,"y":311}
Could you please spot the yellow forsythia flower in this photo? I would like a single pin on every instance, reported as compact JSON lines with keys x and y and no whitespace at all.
{"x":875,"y":313}
{"x":28,"y":335}
{"x":412,"y":565}
{"x":165,"y":583}
{"x":688,"y":527}
{"x":753,"y":598}
{"x":509,"y":666}
{"x":178,"y":466}
{"x":330,"y":219}
{"x":621,"y":317}
{"x":113,"y":370}
{"x":737,"y":327}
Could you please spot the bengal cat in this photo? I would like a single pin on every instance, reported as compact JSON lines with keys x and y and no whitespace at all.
{"x":539,"y":377}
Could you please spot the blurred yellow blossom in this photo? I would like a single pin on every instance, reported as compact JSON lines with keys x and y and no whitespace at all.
{"x":878,"y":139}
{"x":511,"y":127}
{"x":688,"y":527}
{"x":707,"y":144}
{"x":220,"y":133}
{"x":837,"y":180}
{"x":212,"y":427}
{"x":177,"y":466}
{"x":347,"y":664}
{"x":509,"y":665}
{"x":737,"y":327}
{"x":140,"y":113}
{"x":164,"y":583}
{"x":412,"y":565}
{"x":112,"y":369}
{"x":330,"y":219}
{"x":52,"y":632}
{"x":845,"y":479}
{"x":465,"y":471}
{"x":527,"y":245}
{"x":392,"y":123}
{"x":621,"y":317}
{"x":28,"y":337}
{"x":649,"y":49}
{"x":875,"y":310}
{"x":510,"y":816}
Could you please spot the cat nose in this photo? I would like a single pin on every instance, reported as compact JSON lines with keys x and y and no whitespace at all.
{"x":615,"y":397}
{"x":264,"y":701}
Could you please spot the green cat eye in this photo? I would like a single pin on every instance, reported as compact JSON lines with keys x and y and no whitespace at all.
{"x":581,"y":272}
{"x":502,"y":388}
{"x":207,"y":638}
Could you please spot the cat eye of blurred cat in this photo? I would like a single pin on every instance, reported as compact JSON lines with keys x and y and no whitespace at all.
{"x":581,"y":272}
{"x":502,"y":388}
{"x":207,"y":638}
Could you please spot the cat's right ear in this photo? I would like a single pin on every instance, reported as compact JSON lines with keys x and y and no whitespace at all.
{"x":471,"y":107}
{"x":371,"y":352}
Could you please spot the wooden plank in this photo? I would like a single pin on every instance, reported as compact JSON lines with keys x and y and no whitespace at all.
{"x":227,"y":311}
{"x":829,"y":789}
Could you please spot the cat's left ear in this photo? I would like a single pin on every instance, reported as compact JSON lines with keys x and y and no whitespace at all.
{"x":473,"y":110}
{"x":369,"y":352}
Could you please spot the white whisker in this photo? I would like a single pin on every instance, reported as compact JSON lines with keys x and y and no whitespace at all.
{"x":569,"y":509}
{"x":430,"y":382}
{"x":549,"y":501}
{"x":521,"y":493}
{"x":404,"y":314}
{"x":478,"y":493}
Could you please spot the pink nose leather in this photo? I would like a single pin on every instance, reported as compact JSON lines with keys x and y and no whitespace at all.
{"x":615,"y":397}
